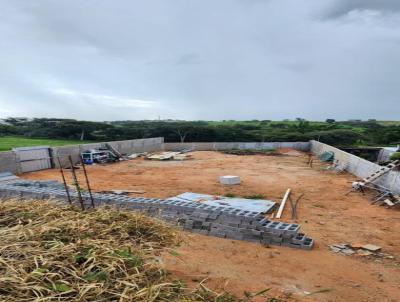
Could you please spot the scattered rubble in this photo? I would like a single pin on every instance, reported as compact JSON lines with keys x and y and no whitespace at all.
{"x":168,"y":156}
{"x":359,"y":250}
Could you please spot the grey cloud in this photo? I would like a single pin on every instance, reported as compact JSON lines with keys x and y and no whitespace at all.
{"x":343,"y":7}
{"x":188,"y":59}
{"x":199,"y":59}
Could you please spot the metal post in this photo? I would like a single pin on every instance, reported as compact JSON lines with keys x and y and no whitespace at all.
{"x":87,"y":181}
{"x":64,"y":181}
{"x":78,"y":189}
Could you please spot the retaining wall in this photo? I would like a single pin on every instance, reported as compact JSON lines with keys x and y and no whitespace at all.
{"x":9,"y":162}
{"x":301,"y":146}
{"x":358,"y":166}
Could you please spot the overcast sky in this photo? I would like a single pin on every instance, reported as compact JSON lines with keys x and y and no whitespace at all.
{"x":200,"y":59}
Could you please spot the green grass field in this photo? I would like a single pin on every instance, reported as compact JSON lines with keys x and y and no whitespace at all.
{"x":9,"y":142}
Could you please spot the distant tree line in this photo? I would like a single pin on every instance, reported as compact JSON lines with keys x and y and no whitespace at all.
{"x":345,"y":133}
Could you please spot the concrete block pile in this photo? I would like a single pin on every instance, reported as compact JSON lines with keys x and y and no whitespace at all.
{"x":219,"y":221}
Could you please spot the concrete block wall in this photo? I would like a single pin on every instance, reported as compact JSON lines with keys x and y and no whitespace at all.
{"x":358,"y":166}
{"x":301,"y":146}
{"x":9,"y":161}
{"x":124,"y":147}
{"x":219,"y":221}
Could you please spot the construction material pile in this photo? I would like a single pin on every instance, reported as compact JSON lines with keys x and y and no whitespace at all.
{"x":53,"y":252}
{"x":245,"y":204}
{"x":168,"y":156}
{"x":220,"y":220}
{"x":364,"y":250}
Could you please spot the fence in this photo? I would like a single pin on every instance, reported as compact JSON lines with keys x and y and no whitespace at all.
{"x":301,"y":146}
{"x":28,"y":159}
{"x":11,"y":161}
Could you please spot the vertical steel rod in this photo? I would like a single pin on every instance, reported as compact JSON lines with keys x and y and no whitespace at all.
{"x":78,"y":189}
{"x":87,"y":181}
{"x":64,"y":181}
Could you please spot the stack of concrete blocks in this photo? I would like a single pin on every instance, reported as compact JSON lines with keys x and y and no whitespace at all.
{"x":219,"y":221}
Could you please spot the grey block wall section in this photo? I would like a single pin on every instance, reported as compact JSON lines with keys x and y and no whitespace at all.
{"x":9,"y":161}
{"x":124,"y":147}
{"x":359,"y":166}
{"x":301,"y":146}
{"x":219,"y":221}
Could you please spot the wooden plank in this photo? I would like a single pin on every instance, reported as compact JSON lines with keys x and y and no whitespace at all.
{"x":282,"y":206}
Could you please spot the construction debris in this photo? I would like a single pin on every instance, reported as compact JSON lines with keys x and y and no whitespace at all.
{"x":359,"y":250}
{"x":254,"y":205}
{"x":112,"y":150}
{"x":98,"y":156}
{"x":282,"y":205}
{"x":167,"y":156}
{"x":293,"y":205}
{"x":359,"y":185}
{"x":229,"y":180}
{"x":371,"y":247}
{"x":327,"y":156}
{"x":221,"y":221}
{"x":385,"y":195}
{"x":338,"y":167}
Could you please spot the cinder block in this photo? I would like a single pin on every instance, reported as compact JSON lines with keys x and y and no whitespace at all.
{"x":266,"y":241}
{"x":229,"y":180}
{"x":307,"y":244}
{"x":217,"y":233}
{"x":234,"y":235}
{"x":276,"y":239}
{"x":224,"y":222}
{"x":299,"y":238}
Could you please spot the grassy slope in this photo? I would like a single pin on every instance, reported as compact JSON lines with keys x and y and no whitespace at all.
{"x":9,"y":142}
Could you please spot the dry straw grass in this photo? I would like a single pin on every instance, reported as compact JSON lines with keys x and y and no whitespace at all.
{"x":53,"y":252}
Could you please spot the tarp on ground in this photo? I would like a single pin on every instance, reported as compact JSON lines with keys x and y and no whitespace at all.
{"x":244,"y":204}
{"x":327,"y":156}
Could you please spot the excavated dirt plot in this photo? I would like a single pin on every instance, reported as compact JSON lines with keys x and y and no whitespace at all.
{"x":325,"y":213}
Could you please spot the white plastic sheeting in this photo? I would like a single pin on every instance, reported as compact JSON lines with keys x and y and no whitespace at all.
{"x":253,"y":205}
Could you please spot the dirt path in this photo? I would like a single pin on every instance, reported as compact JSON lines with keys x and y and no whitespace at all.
{"x":326,"y":214}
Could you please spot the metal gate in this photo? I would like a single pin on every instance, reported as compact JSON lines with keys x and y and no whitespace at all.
{"x":33,"y":158}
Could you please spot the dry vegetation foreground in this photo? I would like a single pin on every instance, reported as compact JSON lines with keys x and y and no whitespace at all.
{"x":326,"y":214}
{"x":54,"y":252}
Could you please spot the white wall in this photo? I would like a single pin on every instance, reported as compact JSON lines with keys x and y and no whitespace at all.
{"x":302,"y":146}
{"x":358,"y":166}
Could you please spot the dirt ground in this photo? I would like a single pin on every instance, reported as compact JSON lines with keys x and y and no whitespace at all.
{"x":325,"y":213}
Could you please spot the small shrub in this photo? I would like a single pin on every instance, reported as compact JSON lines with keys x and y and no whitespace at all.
{"x":230,"y":195}
{"x":255,"y":196}
{"x":395,"y":156}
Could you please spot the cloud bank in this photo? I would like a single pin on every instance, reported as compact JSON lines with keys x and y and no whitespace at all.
{"x":200,"y":59}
